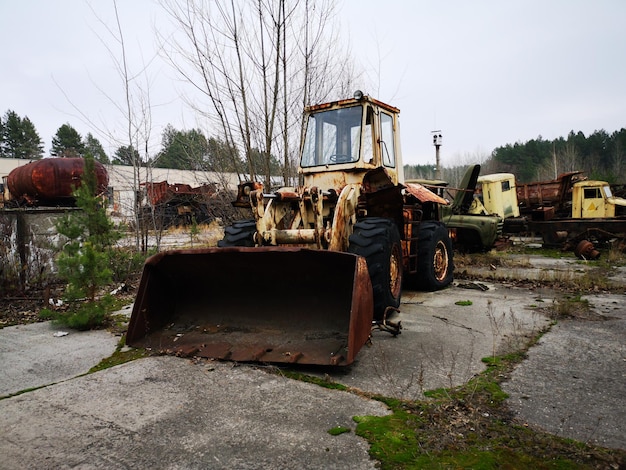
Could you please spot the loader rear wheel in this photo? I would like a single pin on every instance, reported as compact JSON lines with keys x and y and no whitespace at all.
{"x":240,"y":233}
{"x":434,"y":259}
{"x":378,"y":241}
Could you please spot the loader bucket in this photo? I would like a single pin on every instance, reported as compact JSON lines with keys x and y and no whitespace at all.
{"x":266,"y":304}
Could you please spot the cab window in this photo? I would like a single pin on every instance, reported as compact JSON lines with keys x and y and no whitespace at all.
{"x":592,"y":193}
{"x":333,"y":137}
{"x":387,"y":148}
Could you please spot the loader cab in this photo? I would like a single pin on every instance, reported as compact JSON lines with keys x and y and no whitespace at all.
{"x":345,"y":139}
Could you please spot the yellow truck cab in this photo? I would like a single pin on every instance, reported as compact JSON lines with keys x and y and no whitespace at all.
{"x":594,"y":199}
{"x":498,"y":194}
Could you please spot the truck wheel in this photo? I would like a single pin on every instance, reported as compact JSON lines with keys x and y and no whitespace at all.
{"x":378,"y":241}
{"x":434,"y":257}
{"x":240,"y":233}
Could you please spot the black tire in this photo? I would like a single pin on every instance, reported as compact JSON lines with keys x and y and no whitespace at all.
{"x":378,"y":241}
{"x":240,"y":233}
{"x":434,"y":262}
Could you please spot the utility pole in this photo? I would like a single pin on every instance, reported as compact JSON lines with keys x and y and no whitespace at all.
{"x":437,"y":144}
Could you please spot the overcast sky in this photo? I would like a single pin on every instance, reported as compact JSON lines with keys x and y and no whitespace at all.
{"x":485,"y":73}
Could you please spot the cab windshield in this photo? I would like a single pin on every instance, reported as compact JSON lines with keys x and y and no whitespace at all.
{"x":333,"y":137}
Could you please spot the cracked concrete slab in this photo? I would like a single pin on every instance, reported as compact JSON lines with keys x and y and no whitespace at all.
{"x":572,"y":383}
{"x":39,"y":354}
{"x":442,"y":343}
{"x":168,"y":412}
{"x":179,"y":413}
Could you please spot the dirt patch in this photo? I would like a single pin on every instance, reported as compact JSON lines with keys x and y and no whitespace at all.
{"x":23,"y":309}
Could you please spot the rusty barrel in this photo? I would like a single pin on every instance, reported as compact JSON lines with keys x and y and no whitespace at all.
{"x":52,"y":178}
{"x":265,"y":304}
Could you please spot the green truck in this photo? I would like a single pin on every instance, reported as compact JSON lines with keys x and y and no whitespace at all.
{"x":472,"y":228}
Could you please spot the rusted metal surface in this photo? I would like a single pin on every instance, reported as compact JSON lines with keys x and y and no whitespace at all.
{"x":254,"y":304}
{"x":586,"y":250}
{"x":350,"y":102}
{"x":162,"y":192}
{"x":52,"y":179}
{"x":243,"y":193}
{"x":543,"y":213}
{"x":288,"y":194}
{"x":554,"y":192}
{"x":344,"y":211}
{"x":307,"y":236}
{"x":558,"y":231}
{"x":424,"y":194}
{"x":178,"y":203}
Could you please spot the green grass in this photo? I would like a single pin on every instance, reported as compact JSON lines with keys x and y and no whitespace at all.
{"x":471,"y":427}
{"x":571,"y":306}
{"x":337,"y":430}
{"x":322,"y":382}
{"x":467,"y":427}
{"x":120,"y":356}
{"x":555,"y":253}
{"x":21,"y":392}
{"x":594,"y":277}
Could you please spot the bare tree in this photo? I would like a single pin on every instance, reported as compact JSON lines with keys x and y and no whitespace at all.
{"x":256,"y":63}
{"x":135,"y":108}
{"x":454,"y":173}
{"x":564,"y":160}
{"x":618,"y":160}
{"x":568,"y":159}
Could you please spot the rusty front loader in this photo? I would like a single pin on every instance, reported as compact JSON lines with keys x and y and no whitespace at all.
{"x":318,"y":266}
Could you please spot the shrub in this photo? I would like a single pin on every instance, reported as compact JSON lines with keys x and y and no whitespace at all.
{"x":81,"y":316}
{"x":85,"y":259}
{"x":124,"y":263}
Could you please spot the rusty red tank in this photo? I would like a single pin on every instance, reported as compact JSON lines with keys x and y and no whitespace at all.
{"x":52,"y":180}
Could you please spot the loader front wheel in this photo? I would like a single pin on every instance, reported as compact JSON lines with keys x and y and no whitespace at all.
{"x":434,"y":263}
{"x":240,"y":233}
{"x":377,"y":239}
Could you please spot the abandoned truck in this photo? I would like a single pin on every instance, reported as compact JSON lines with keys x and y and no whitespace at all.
{"x":568,"y":211}
{"x":471,"y":227}
{"x":177,"y":204}
{"x":318,"y":266}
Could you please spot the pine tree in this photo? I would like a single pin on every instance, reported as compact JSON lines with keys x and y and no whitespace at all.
{"x":93,"y":147}
{"x":19,"y":138}
{"x":32,"y":145}
{"x":84,"y":261}
{"x":126,"y":155}
{"x":67,"y":142}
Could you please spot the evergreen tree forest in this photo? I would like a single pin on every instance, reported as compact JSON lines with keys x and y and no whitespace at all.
{"x":180,"y":149}
{"x":192,"y":150}
{"x":600,"y":155}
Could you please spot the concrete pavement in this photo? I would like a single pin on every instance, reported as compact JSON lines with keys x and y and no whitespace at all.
{"x":168,"y":412}
{"x":39,"y":354}
{"x":573,"y":382}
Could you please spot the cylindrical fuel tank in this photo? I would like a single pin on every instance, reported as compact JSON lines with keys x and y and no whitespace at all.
{"x":52,"y":178}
